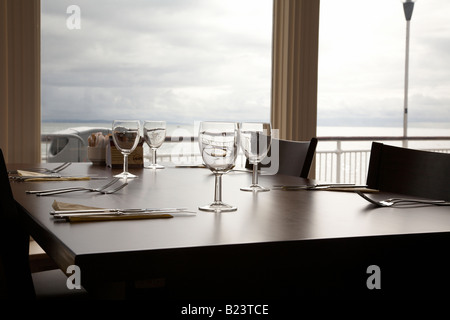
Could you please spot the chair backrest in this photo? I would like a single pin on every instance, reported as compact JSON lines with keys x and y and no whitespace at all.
{"x":295,"y":157}
{"x":15,"y":274}
{"x":410,"y":172}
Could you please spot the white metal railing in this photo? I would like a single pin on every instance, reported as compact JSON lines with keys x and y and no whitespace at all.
{"x":342,"y":166}
{"x":337,"y":159}
{"x":347,"y":164}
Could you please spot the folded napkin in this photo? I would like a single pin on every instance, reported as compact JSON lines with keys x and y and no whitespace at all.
{"x":62,"y":206}
{"x":35,"y":176}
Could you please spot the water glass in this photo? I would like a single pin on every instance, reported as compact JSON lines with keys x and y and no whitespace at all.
{"x":218,"y":142}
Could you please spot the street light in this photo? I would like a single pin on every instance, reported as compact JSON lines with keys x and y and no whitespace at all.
{"x":408,"y":7}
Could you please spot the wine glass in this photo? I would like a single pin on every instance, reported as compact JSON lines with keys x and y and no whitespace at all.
{"x":218,"y":142}
{"x":154,"y":135}
{"x":255,"y":142}
{"x":126,"y":136}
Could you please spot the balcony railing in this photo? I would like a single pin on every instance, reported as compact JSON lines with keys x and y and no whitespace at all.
{"x":337,"y":159}
{"x":346,"y":159}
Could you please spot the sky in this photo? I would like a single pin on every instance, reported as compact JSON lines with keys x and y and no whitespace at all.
{"x":173,"y":60}
{"x":189,"y":60}
{"x":362,"y":63}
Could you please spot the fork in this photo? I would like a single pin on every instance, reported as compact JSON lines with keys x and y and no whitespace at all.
{"x":103,"y":191}
{"x":116,"y":189}
{"x":45,"y":170}
{"x":59,"y":168}
{"x":71,"y":189}
{"x":392,"y":201}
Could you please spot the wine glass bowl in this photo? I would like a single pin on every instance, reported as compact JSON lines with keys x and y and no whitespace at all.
{"x":218,"y":159}
{"x":154,"y":136}
{"x":256,"y":138}
{"x":126,"y":137}
{"x":218,"y":143}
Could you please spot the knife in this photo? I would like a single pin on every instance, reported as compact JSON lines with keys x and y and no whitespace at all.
{"x":114,"y":217}
{"x":318,"y":186}
{"x":190,"y":166}
{"x":23,"y":178}
{"x":117,"y":211}
{"x":36,"y":176}
{"x":119,"y":214}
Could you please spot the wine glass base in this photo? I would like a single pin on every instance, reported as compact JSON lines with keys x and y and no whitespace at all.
{"x":255,"y":188}
{"x":154,"y":166}
{"x":125,"y":175}
{"x":218,"y":207}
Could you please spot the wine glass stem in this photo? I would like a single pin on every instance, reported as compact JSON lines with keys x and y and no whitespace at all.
{"x":154,"y":156}
{"x":255,"y":174}
{"x":125,"y":162}
{"x":218,"y":188}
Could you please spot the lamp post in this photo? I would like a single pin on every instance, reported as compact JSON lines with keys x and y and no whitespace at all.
{"x":408,"y":7}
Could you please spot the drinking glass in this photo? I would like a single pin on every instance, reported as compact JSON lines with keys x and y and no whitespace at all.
{"x":218,"y":142}
{"x":256,"y":138}
{"x":126,"y":136}
{"x":154,"y":135}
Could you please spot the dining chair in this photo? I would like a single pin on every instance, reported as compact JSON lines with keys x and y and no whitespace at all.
{"x":16,"y":279}
{"x":408,"y":171}
{"x":294,"y":157}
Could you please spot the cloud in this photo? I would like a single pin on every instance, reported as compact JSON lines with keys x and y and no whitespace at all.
{"x":181,"y":60}
{"x":164,"y":59}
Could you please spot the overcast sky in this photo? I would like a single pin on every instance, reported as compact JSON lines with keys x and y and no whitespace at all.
{"x":178,"y":60}
{"x":362,"y":62}
{"x":187,"y":60}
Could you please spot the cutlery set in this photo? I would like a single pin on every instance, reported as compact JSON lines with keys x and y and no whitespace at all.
{"x":101,"y":189}
{"x":318,"y":186}
{"x":104,"y":214}
{"x":54,"y":174}
{"x":45,"y":170}
{"x":44,"y":174}
{"x":94,"y":214}
{"x":53,"y":177}
{"x":393,"y":201}
{"x":352,"y":187}
{"x":149,"y":213}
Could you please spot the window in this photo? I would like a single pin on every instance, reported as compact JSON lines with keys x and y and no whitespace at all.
{"x":362,"y":67}
{"x":179,"y":61}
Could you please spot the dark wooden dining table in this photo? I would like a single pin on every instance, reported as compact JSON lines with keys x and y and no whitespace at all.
{"x":277,"y":245}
